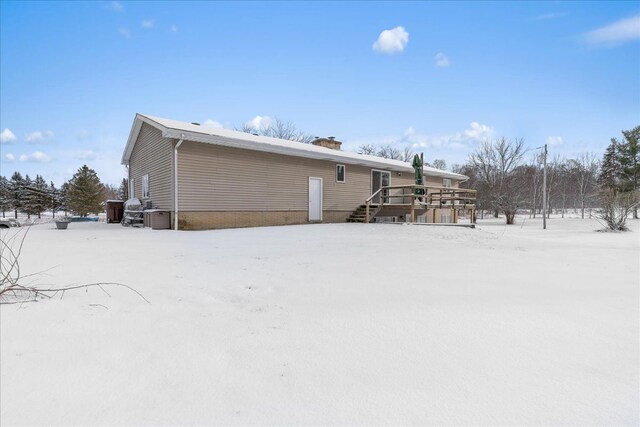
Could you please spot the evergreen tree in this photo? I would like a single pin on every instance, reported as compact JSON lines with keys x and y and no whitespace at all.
{"x":611,"y":167}
{"x":53,"y":203}
{"x":123,"y":191}
{"x":5,"y":195}
{"x":630,"y":162}
{"x":28,"y":197}
{"x":62,"y":197}
{"x":85,"y":193}
{"x":16,"y":192}
{"x":40,"y":196}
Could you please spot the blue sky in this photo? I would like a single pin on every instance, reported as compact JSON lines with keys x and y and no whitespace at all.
{"x":439,"y":77}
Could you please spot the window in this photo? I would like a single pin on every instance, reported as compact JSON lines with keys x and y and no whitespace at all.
{"x":340,"y":173}
{"x":446,"y":182}
{"x":145,"y":186}
{"x":132,"y":188}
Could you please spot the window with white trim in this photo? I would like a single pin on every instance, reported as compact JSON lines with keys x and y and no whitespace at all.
{"x":145,"y":186}
{"x":446,"y":182}
{"x":341,"y":173}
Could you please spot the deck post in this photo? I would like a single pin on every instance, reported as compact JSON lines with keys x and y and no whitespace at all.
{"x":434,"y":215}
{"x":413,"y":213}
{"x":367,"y":214}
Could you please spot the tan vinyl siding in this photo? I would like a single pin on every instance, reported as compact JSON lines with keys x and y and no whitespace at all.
{"x":217,"y":178}
{"x":153,"y":155}
{"x":409,"y":179}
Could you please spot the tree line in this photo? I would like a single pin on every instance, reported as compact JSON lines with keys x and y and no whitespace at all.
{"x":83,"y":194}
{"x":508,"y":182}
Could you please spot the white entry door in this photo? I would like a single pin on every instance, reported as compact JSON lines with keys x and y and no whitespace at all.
{"x":315,"y":199}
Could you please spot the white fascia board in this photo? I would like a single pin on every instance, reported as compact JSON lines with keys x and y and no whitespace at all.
{"x":338,"y":157}
{"x":133,"y":135}
{"x":272,"y":145}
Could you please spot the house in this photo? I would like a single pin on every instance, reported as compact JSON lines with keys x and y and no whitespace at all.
{"x":218,"y":178}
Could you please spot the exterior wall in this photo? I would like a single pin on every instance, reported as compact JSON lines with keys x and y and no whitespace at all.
{"x":223,"y":187}
{"x":218,"y":178}
{"x":153,"y":155}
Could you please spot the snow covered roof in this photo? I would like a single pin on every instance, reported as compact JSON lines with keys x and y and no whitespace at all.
{"x":218,"y":136}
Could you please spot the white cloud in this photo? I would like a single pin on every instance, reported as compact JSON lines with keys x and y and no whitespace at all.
{"x":147,"y":25}
{"x":124,"y":32}
{"x":174,"y":28}
{"x":7,"y":137}
{"x":212,"y":124}
{"x":621,"y":31}
{"x":35,"y":157}
{"x":115,"y":6}
{"x":464,"y":139}
{"x":87,"y":155}
{"x":83,"y":134}
{"x":38,"y":136}
{"x":391,"y":41}
{"x":9,"y":158}
{"x":260,"y":122}
{"x":442,"y":60}
{"x":554,"y":140}
{"x":478,"y":131}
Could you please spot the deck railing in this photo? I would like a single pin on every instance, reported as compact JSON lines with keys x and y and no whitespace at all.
{"x":421,"y":197}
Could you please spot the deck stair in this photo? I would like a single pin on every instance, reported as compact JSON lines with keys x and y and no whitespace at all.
{"x":360,"y":214}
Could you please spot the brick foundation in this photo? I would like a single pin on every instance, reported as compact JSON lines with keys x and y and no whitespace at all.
{"x":214,"y":220}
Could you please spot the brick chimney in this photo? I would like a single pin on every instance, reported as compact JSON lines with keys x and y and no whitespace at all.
{"x":329,"y":142}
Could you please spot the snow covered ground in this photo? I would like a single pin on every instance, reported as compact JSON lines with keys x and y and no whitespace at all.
{"x":344,"y":324}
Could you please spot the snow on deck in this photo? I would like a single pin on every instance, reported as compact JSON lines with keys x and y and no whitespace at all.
{"x":327,"y":324}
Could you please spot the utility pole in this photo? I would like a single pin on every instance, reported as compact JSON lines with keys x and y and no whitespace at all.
{"x":544,"y":189}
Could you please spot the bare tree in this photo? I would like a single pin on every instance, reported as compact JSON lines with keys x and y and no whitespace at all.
{"x":278,"y":128}
{"x":483,"y":201}
{"x":438,"y":164}
{"x":497,"y":165}
{"x":583,"y":171}
{"x":110,"y":192}
{"x":389,"y":152}
{"x":554,"y":173}
{"x":368,"y":149}
{"x":535,"y":182}
{"x":615,"y":208}
{"x":407,"y":154}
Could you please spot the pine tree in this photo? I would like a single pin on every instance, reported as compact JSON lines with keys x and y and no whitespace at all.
{"x":85,"y":193}
{"x":40,"y":196}
{"x":16,"y":192}
{"x":611,"y":167}
{"x":28,"y":197}
{"x":630,"y":163}
{"x":54,"y":199}
{"x":123,"y":191}
{"x":62,"y":197}
{"x":5,"y":195}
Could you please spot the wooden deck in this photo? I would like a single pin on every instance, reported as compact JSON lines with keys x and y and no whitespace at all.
{"x":415,"y":200}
